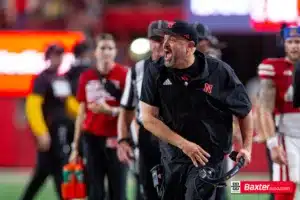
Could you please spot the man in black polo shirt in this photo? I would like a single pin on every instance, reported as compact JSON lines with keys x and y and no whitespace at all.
{"x":188,"y":100}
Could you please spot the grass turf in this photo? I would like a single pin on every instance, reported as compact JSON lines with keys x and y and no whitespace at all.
{"x":12,"y":186}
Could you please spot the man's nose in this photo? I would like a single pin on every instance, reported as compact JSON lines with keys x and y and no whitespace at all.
{"x":166,"y":44}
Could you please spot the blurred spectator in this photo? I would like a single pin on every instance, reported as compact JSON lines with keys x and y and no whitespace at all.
{"x":53,"y":9}
{"x":3,"y":22}
{"x":83,"y":14}
{"x":145,"y":2}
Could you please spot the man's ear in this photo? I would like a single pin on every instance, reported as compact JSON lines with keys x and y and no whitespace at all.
{"x":191,"y":44}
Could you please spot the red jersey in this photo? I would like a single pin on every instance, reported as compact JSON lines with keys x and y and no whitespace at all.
{"x":280,"y":71}
{"x":90,"y":90}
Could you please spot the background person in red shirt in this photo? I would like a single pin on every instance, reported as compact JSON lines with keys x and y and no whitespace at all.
{"x":99,"y":93}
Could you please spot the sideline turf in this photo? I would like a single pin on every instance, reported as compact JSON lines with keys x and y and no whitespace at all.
{"x":13,"y":187}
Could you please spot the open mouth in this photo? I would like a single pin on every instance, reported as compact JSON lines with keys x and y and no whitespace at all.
{"x":168,"y":54}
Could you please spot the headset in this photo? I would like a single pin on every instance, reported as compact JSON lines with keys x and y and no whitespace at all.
{"x":207,"y":178}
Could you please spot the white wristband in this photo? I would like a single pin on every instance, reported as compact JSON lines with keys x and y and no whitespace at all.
{"x":272,"y":142}
{"x":73,"y":146}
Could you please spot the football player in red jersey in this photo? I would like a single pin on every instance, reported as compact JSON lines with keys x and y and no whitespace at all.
{"x":99,"y":93}
{"x":276,"y":95}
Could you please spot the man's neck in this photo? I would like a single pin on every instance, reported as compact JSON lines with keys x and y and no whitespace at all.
{"x":185,"y":63}
{"x":291,"y":61}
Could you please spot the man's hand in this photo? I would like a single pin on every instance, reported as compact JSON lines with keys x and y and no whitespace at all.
{"x":195,"y":152}
{"x":278,"y":155}
{"x":125,"y":152}
{"x":44,"y":142}
{"x":103,"y":108}
{"x":98,"y":108}
{"x":246,"y":154}
{"x":73,"y":156}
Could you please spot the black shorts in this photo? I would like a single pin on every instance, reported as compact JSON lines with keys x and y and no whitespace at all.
{"x":182,"y":182}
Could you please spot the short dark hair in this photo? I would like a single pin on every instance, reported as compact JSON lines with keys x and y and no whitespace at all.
{"x":80,"y":48}
{"x":105,"y":36}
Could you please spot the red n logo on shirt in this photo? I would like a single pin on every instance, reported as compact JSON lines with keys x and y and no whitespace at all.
{"x":208,"y":88}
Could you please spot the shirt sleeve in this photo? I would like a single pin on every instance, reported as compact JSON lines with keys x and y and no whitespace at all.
{"x":129,"y":98}
{"x":237,"y":99}
{"x":81,"y":95}
{"x":149,"y":93}
{"x":40,"y":86}
{"x":266,"y":70}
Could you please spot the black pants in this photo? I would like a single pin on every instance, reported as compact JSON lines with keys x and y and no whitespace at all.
{"x":182,"y":182}
{"x":47,"y":164}
{"x":221,"y":193}
{"x":149,"y":157}
{"x":101,"y":162}
{"x":51,"y":162}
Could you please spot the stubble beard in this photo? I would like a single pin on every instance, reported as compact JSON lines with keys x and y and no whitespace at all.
{"x":170,"y":63}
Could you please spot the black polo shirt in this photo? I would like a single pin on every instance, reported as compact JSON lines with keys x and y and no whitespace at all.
{"x":198,"y":103}
{"x":54,"y":89}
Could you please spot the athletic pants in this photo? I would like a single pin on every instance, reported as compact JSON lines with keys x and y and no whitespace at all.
{"x":101,"y":162}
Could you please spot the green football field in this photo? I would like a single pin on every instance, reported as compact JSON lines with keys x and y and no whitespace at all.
{"x":12,"y":184}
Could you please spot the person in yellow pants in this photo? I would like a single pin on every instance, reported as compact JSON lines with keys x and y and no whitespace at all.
{"x":48,"y":109}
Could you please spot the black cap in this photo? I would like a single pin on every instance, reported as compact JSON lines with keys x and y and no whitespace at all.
{"x":53,"y":49}
{"x":202,"y":31}
{"x":156,"y":25}
{"x":80,"y":47}
{"x":181,"y":28}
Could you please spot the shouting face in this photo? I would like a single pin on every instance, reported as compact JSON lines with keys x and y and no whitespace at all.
{"x":176,"y":48}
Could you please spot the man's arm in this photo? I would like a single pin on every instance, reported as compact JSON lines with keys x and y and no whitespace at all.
{"x":103,"y":108}
{"x":246,"y":127}
{"x":157,"y":127}
{"x":34,"y":114}
{"x":72,"y":106}
{"x":124,"y":150}
{"x":267,"y":104}
{"x":78,"y":124}
{"x":164,"y":133}
{"x":77,"y":133}
{"x":124,"y":121}
{"x":239,"y":104}
{"x":267,"y":96}
{"x":129,"y":102}
{"x":236,"y":131}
